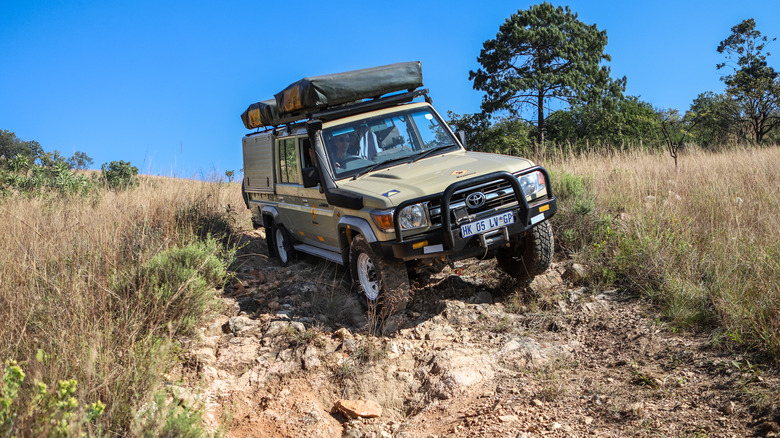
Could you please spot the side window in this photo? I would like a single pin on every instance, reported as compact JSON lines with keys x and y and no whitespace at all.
{"x":288,"y":161}
{"x":308,"y":152}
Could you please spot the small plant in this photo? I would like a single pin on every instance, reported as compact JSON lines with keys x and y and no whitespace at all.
{"x":119,"y":175}
{"x":53,"y":412}
{"x":345,"y":371}
{"x":310,"y":336}
{"x":13,"y":376}
{"x":169,"y":416}
{"x":367,"y":351}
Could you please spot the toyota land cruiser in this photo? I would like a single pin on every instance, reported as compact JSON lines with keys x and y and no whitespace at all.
{"x":359,"y":169}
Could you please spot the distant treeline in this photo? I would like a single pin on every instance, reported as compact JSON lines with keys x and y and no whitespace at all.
{"x":26,"y":168}
{"x":527,"y":68}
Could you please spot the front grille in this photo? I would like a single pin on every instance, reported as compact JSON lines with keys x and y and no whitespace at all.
{"x":498,"y":194}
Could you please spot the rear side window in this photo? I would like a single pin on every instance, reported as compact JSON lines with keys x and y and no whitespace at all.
{"x":288,"y":162}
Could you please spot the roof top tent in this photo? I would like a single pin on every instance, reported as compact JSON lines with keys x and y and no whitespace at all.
{"x":315,"y":93}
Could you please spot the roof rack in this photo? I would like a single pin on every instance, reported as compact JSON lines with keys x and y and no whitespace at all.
{"x":368,"y":105}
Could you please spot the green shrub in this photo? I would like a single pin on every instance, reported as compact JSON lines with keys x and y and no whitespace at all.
{"x":176,"y":284}
{"x":119,"y":175}
{"x":574,"y":223}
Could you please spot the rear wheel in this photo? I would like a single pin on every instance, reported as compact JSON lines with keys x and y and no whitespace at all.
{"x":530,"y":256}
{"x":383,"y":284}
{"x":281,"y":244}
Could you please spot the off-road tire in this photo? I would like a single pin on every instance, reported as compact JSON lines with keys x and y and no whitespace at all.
{"x":280,"y":244}
{"x":383,"y":284}
{"x":529,"y":256}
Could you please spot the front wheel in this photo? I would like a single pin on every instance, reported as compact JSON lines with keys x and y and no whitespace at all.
{"x":383,"y":284}
{"x":530,"y":256}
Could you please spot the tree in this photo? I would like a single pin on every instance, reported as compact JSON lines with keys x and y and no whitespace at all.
{"x":540,"y":54}
{"x":711,"y":118}
{"x":611,"y":123}
{"x":504,"y":136}
{"x":11,"y":146}
{"x":80,"y":161}
{"x":753,"y":85}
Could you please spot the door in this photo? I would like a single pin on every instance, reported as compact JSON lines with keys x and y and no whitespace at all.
{"x":306,"y":213}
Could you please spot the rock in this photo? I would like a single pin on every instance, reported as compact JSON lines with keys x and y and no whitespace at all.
{"x":555,"y":426}
{"x":343,"y":333}
{"x":205,"y":356}
{"x":241,"y":324}
{"x":311,"y":359}
{"x":236,"y":356}
{"x":439,"y":333}
{"x":540,"y":284}
{"x":508,"y":418}
{"x":587,"y":420}
{"x":575,"y":273}
{"x":457,"y":369}
{"x":358,"y":408}
{"x":576,"y":294}
{"x":276,"y":328}
{"x":217,"y":328}
{"x":522,"y":352}
{"x":352,"y":433}
{"x":536,"y":402}
{"x":349,"y":346}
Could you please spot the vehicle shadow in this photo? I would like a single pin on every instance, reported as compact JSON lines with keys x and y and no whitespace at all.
{"x":320,"y":293}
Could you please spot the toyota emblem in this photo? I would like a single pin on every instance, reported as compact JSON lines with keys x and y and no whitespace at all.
{"x":475,"y":200}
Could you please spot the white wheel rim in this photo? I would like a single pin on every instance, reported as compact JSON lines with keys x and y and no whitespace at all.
{"x":367,"y":276}
{"x":280,"y":249}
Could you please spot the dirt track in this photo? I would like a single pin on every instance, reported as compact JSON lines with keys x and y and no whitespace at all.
{"x":472,"y":355}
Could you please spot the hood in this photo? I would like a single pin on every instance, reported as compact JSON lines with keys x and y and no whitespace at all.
{"x":431,"y":175}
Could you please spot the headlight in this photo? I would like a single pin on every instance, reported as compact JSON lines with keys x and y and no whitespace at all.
{"x":532,"y":183}
{"x":413,"y":216}
{"x":410,"y":218}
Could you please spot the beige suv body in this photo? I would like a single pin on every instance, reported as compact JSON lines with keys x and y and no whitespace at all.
{"x":383,"y":185}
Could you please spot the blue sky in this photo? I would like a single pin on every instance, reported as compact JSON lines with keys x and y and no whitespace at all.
{"x":162,"y":84}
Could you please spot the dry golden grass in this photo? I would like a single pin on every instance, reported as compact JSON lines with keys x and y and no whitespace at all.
{"x":61,"y":261}
{"x":702,"y":239}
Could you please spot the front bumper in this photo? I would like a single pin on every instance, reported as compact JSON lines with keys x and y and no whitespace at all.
{"x":448,"y":241}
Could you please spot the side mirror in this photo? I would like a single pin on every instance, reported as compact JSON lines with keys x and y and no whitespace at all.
{"x":462,"y":137}
{"x":310,"y":177}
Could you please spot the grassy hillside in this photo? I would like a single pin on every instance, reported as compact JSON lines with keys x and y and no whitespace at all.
{"x":94,"y":291}
{"x":702,"y":240}
{"x":95,"y":288}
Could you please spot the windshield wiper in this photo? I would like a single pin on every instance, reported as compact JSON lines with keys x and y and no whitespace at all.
{"x":430,"y":152}
{"x":378,"y":165}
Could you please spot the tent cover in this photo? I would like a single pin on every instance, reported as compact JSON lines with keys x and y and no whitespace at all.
{"x":318,"y":92}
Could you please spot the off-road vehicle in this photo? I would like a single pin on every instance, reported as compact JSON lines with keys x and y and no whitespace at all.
{"x":359,"y":169}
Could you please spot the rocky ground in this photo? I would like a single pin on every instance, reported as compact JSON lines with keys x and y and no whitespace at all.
{"x":473,"y":355}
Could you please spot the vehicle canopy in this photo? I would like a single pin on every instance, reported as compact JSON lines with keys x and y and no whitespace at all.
{"x":310,"y":94}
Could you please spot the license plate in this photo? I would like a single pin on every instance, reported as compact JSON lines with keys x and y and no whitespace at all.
{"x":487,"y":224}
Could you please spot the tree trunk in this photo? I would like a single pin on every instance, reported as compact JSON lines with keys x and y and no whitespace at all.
{"x":540,"y":117}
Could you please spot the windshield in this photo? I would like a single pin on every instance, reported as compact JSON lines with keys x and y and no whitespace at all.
{"x":371,"y":143}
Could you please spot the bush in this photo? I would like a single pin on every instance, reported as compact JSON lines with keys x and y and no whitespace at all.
{"x":175,"y":286}
{"x":119,"y":175}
